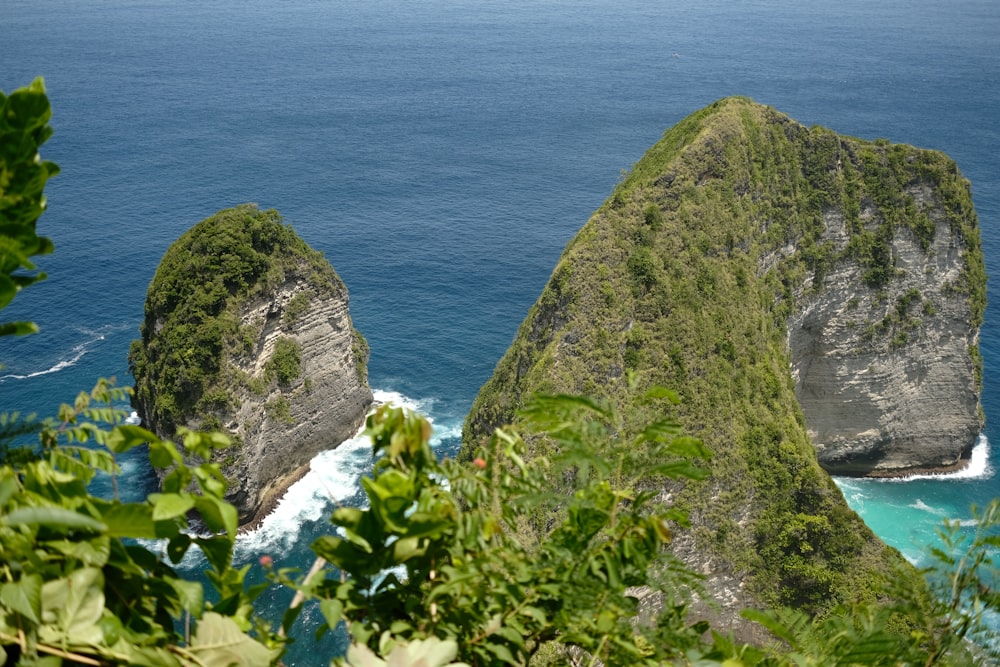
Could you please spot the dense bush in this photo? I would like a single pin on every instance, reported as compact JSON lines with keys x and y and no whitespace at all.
{"x":286,"y":361}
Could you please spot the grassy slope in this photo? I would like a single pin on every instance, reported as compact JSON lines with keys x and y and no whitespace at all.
{"x":665,"y":280}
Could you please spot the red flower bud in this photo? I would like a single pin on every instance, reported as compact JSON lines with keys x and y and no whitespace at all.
{"x":479,"y":463}
{"x":266,"y":561}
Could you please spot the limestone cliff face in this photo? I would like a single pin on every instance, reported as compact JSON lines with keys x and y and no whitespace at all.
{"x":282,"y":428}
{"x":787,"y":282}
{"x":247,"y":330}
{"x":887,"y":377}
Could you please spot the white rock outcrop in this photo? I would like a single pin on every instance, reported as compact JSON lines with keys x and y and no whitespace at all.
{"x":885,"y":376}
{"x":281,"y":430}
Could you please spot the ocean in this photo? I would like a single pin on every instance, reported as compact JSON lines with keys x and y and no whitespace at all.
{"x":441,"y":154}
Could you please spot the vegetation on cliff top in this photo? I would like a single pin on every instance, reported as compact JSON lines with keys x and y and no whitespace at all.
{"x":684,"y":279}
{"x":192,"y":319}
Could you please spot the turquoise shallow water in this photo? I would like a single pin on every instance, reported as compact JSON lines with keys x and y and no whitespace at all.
{"x":441,"y":154}
{"x":906,"y":513}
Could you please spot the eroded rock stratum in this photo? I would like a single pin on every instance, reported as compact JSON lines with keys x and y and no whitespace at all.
{"x":888,"y":374}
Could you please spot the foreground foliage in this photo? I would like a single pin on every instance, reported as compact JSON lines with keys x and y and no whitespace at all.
{"x":92,"y":580}
{"x":452,"y":550}
{"x":447,"y":561}
{"x":493,"y":561}
{"x":24,"y":117}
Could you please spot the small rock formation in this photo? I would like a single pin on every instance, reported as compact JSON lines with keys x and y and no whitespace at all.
{"x":247,"y":330}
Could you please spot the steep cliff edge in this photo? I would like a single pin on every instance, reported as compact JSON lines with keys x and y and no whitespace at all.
{"x":887,"y":374}
{"x":247,"y":330}
{"x":749,"y":262}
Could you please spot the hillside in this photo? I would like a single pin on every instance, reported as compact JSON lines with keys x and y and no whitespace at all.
{"x":761,"y":269}
{"x":247,"y":330}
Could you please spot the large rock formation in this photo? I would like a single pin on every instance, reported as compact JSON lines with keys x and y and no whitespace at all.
{"x":748,"y":262}
{"x":247,"y":330}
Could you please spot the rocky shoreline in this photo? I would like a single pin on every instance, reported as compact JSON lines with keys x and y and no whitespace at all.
{"x":962,"y":464}
{"x":272,"y":498}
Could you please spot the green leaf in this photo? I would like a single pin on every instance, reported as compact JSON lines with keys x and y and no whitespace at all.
{"x":111,"y":628}
{"x":218,"y":515}
{"x":125,"y":437}
{"x":54,"y":518}
{"x":358,"y":541}
{"x":93,"y":552}
{"x":348,"y":517}
{"x":18,"y":328}
{"x":72,"y":608}
{"x":680,"y":469}
{"x":345,"y":555}
{"x":219,"y":641}
{"x":566,"y":403}
{"x":171,"y":505}
{"x":535,"y":613}
{"x":406,"y":548}
{"x":218,"y":550}
{"x":177,"y":547}
{"x":662,"y":430}
{"x":210,"y":478}
{"x":8,"y":290}
{"x":868,"y":650}
{"x":190,"y":594}
{"x":611,"y":567}
{"x":24,"y":596}
{"x":291,"y":615}
{"x":333,"y":612}
{"x":777,"y":627}
{"x":81,"y":462}
{"x":689,"y":447}
{"x":163,"y":453}
{"x":663,"y":392}
{"x":421,"y":524}
{"x":8,"y":485}
{"x":201,"y":444}
{"x":28,"y":108}
{"x":587,"y":521}
{"x":133,"y":520}
{"x":501,"y":652}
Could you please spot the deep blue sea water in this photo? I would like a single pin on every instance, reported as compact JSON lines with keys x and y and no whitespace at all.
{"x":441,"y":154}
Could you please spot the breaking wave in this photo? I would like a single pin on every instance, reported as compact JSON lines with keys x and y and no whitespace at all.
{"x":334,"y":479}
{"x":73,"y":356}
{"x":978,"y":466}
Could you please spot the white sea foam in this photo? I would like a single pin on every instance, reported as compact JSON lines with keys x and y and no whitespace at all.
{"x":333,"y":479}
{"x":919,"y":504}
{"x":853,"y":493}
{"x":78,"y":353}
{"x":75,"y":354}
{"x":978,"y":466}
